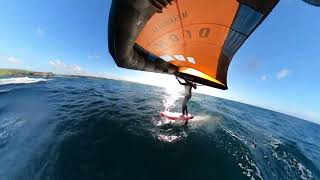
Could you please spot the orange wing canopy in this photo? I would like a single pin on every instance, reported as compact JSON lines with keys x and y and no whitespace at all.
{"x":193,"y":39}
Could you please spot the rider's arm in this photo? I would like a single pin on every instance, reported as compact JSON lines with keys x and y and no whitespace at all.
{"x":180,"y":81}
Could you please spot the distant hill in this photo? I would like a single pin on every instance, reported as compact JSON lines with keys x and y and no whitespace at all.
{"x":20,"y":72}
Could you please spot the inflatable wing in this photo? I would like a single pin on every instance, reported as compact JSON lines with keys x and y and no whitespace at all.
{"x":192,"y":39}
{"x":313,"y":2}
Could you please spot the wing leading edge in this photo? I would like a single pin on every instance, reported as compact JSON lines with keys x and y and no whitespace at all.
{"x":195,"y":40}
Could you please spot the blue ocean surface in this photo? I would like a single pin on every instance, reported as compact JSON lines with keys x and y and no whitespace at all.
{"x":89,"y":128}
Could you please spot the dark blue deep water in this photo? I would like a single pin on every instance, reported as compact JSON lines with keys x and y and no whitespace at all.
{"x":87,"y":128}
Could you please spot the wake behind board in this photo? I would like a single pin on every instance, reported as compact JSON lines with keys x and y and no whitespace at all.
{"x":175,"y":116}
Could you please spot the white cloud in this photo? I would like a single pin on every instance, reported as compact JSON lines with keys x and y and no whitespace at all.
{"x":60,"y":67}
{"x":253,"y":65}
{"x":265,"y":77}
{"x":57,"y":63}
{"x":40,"y":32}
{"x":284,"y":73}
{"x":102,"y":75}
{"x":13,"y":60}
{"x":90,"y":57}
{"x":52,"y":63}
{"x":75,"y":68}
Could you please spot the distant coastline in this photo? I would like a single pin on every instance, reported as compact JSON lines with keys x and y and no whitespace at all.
{"x":21,"y":72}
{"x":6,"y":72}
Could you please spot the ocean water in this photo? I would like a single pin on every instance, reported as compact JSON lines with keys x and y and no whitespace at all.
{"x":89,"y":128}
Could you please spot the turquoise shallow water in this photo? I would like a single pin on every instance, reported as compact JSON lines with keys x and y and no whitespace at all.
{"x":87,"y":128}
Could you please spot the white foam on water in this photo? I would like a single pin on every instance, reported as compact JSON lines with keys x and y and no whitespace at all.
{"x":21,"y":80}
{"x":290,"y":162}
{"x":243,"y":139}
{"x":252,"y":171}
{"x":305,"y":173}
{"x":169,"y":138}
{"x":233,"y":135}
{"x":274,"y":143}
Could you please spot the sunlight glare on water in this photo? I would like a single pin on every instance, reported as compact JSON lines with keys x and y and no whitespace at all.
{"x":173,"y":94}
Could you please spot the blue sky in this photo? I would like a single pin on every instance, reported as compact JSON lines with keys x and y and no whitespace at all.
{"x":277,"y":67}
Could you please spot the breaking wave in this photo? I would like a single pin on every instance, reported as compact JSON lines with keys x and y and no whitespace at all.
{"x":21,"y":80}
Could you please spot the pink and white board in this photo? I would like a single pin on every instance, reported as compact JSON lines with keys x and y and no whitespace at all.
{"x":175,"y":116}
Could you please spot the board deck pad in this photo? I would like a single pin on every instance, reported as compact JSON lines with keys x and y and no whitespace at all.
{"x":176,"y":116}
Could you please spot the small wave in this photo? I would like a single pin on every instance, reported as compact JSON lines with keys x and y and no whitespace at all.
{"x":233,"y":135}
{"x":8,"y":128}
{"x":4,"y":91}
{"x":20,"y":80}
{"x":250,"y":169}
{"x":305,"y":173}
{"x":247,"y":141}
{"x":293,"y":165}
{"x":274,"y":143}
